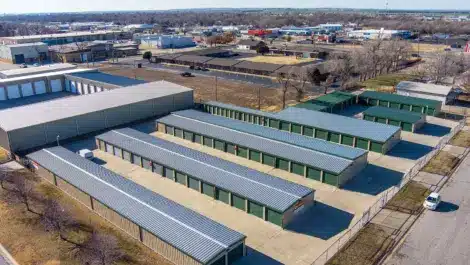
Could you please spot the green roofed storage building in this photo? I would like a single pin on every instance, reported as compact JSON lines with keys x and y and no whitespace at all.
{"x":337,"y":101}
{"x":407,"y":121}
{"x":334,"y":128}
{"x":394,"y":101}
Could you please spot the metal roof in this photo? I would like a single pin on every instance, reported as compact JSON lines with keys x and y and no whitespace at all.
{"x":336,"y":97}
{"x":62,"y":35}
{"x":193,"y":58}
{"x":401,"y":99}
{"x":36,"y":70}
{"x":168,"y":56}
{"x":109,"y":79}
{"x":318,"y":106}
{"x":223,"y":62}
{"x":273,"y":192}
{"x":194,"y":234}
{"x":394,"y":114}
{"x":270,"y":67}
{"x":319,"y":145}
{"x":326,"y":121}
{"x":52,"y":75}
{"x":424,"y":88}
{"x":280,"y":149}
{"x":48,"y":111}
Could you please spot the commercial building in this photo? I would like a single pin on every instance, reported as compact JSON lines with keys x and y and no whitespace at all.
{"x":64,"y":38}
{"x":167,"y":41}
{"x":407,"y":121}
{"x":92,"y":51}
{"x":49,"y":68}
{"x":444,"y":94}
{"x":315,"y":159}
{"x":90,"y":82}
{"x":179,"y":234}
{"x":373,"y":34}
{"x":250,"y":44}
{"x":413,"y":104}
{"x":35,"y":125}
{"x":273,"y":199}
{"x":295,"y":31}
{"x":24,"y":53}
{"x":334,"y":128}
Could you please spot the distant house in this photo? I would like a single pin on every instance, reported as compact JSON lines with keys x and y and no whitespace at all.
{"x":250,"y":44}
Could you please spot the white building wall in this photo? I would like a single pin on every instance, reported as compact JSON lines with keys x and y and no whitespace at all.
{"x":27,"y":89}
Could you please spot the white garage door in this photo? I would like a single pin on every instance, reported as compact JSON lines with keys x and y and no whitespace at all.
{"x":2,"y":94}
{"x":85,"y":88}
{"x":92,"y":89}
{"x":13,"y":91}
{"x":79,"y":88}
{"x":40,"y":87}
{"x":56,"y":85}
{"x":73,"y":87}
{"x":27,"y":89}
{"x":67,"y":85}
{"x":99,"y":89}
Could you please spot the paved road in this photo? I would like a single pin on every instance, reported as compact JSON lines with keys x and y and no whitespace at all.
{"x":442,"y":237}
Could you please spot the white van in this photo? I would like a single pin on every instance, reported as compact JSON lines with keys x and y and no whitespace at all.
{"x":85,"y":153}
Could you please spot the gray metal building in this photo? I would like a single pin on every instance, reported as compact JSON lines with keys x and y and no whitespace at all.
{"x":95,"y":81}
{"x":273,"y":199}
{"x":35,"y":125}
{"x":179,"y":234}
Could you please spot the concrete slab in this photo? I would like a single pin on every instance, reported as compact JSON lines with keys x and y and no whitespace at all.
{"x":428,"y":178}
{"x":455,"y":150}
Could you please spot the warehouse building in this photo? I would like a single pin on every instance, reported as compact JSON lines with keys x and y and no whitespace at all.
{"x":334,"y":128}
{"x":35,"y":125}
{"x":181,"y":235}
{"x":68,"y":37}
{"x":94,"y":81}
{"x":394,"y":101}
{"x":297,"y":159}
{"x":407,"y":121}
{"x":24,"y":53}
{"x":273,"y":199}
{"x":444,"y":94}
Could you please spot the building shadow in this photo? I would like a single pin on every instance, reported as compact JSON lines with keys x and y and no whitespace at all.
{"x":254,"y":257}
{"x":374,"y":180}
{"x":321,"y":221}
{"x":447,"y":207}
{"x":147,"y":127}
{"x":433,"y":130}
{"x":98,"y":161}
{"x":409,"y":150}
{"x":353,"y":110}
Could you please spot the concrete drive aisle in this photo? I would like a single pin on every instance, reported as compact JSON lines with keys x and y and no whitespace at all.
{"x":443,"y":236}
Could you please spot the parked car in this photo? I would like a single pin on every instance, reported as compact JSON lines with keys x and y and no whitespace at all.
{"x":432,"y":201}
{"x":85,"y":153}
{"x":204,"y":69}
{"x":186,"y":74}
{"x":23,"y":66}
{"x":198,"y":68}
{"x":191,"y":67}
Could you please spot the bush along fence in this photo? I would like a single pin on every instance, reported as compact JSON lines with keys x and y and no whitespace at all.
{"x":385,"y":198}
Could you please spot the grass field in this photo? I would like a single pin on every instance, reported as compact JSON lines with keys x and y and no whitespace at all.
{"x":461,"y":139}
{"x":385,"y":82}
{"x":442,"y":164}
{"x":278,"y":59}
{"x":409,"y":199}
{"x":426,"y":47}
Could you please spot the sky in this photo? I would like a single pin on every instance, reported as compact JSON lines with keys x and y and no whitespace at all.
{"x":45,"y":6}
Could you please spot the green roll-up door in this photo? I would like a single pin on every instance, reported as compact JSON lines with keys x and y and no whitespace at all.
{"x":417,"y":109}
{"x":334,"y":137}
{"x":249,"y":118}
{"x":256,"y":120}
{"x":347,"y":140}
{"x":430,"y":111}
{"x":222,"y":113}
{"x":381,"y":120}
{"x":297,"y":168}
{"x":178,"y":133}
{"x":269,"y":160}
{"x":198,"y":138}
{"x":383,"y":103}
{"x":313,"y":173}
{"x":136,"y":160}
{"x":330,"y":179}
{"x":209,"y":190}
{"x":206,"y":108}
{"x":255,"y":209}
{"x":362,"y":143}
{"x":373,"y":102}
{"x":222,"y":195}
{"x":168,"y":173}
{"x":296,"y":128}
{"x":405,"y":107}
{"x":394,"y":105}
{"x":242,"y":152}
{"x":376,"y":147}
{"x":369,"y":118}
{"x":406,"y":126}
{"x":231,"y":148}
{"x":181,"y":178}
{"x":234,"y":254}
{"x":255,"y":156}
{"x":188,"y":136}
{"x":274,"y":124}
{"x":193,"y":183}
{"x":207,"y":141}
{"x":285,"y":126}
{"x":282,"y":164}
{"x":394,"y":123}
{"x":170,"y":130}
{"x":237,"y":115}
{"x":238,"y":202}
{"x":320,"y":134}
{"x":308,"y":131}
{"x":274,"y":217}
{"x":219,"y":145}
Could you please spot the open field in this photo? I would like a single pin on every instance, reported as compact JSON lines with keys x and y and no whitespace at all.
{"x":278,"y":59}
{"x":442,"y":164}
{"x":409,"y":199}
{"x":427,"y":47}
{"x":462,"y":139}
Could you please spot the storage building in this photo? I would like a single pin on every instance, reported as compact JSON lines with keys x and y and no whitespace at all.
{"x":336,"y":101}
{"x":179,"y":234}
{"x":444,"y":94}
{"x":24,"y":53}
{"x":413,"y":104}
{"x":334,"y":128}
{"x":407,"y":121}
{"x":95,"y":81}
{"x":35,"y":125}
{"x":12,"y":73}
{"x":313,"y":106}
{"x":273,"y":199}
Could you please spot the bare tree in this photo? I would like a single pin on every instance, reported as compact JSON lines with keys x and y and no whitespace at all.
{"x":443,"y":65}
{"x":100,"y":249}
{"x":342,"y":67}
{"x":56,"y":219}
{"x":23,"y":189}
{"x":284,"y":82}
{"x":299,"y":80}
{"x":327,"y":83}
{"x":419,"y":73}
{"x":314,"y":76}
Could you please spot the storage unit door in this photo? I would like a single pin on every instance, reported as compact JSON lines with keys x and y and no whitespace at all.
{"x":347,"y":140}
{"x":242,"y":152}
{"x":235,"y":254}
{"x":273,"y":217}
{"x":231,"y":148}
{"x":308,"y":131}
{"x":188,"y":136}
{"x":255,"y":209}
{"x":56,"y":85}
{"x":136,"y":160}
{"x":373,"y":102}
{"x":193,"y":183}
{"x":394,"y":105}
{"x":314,"y":174}
{"x":222,"y":195}
{"x":376,"y":147}
{"x":238,"y":202}
{"x":146,"y":164}
{"x":197,"y":138}
{"x":406,"y":126}
{"x":219,"y":145}
{"x":269,"y":160}
{"x":296,"y":128}
{"x":208,"y":190}
{"x":381,"y":120}
{"x":298,"y":169}
{"x":118,"y":152}
{"x":330,"y":179}
{"x":430,"y":111}
{"x":158,"y":169}
{"x":320,"y":134}
{"x":27,"y":89}
{"x":67,"y":85}
{"x":274,"y":124}
{"x":285,"y":126}
{"x":169,"y":173}
{"x":127,"y":156}
{"x":170,"y":130}
{"x":394,"y":123}
{"x":255,"y":156}
{"x":207,"y":141}
{"x":40,"y":87}
{"x":369,"y":118}
{"x":334,"y":137}
{"x":405,"y":107}
{"x":178,"y":133}
{"x":181,"y":178}
{"x":362,"y":143}
{"x":282,"y":164}
{"x":73,"y":87}
{"x":417,"y":109}
{"x":383,"y":103}
{"x":13,"y":91}
{"x":109,"y":149}
{"x":2,"y":94}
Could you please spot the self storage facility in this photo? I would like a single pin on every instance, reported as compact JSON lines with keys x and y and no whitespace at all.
{"x":335,"y":101}
{"x":394,"y":101}
{"x":334,"y":128}
{"x":273,"y":199}
{"x":407,"y":121}
{"x":39,"y":124}
{"x":95,"y":81}
{"x":307,"y":157}
{"x":179,"y":234}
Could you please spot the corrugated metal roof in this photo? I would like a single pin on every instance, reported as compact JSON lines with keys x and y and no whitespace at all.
{"x":424,"y":88}
{"x":284,"y":150}
{"x":51,"y":75}
{"x":394,"y":114}
{"x":109,"y":79}
{"x":401,"y":99}
{"x":194,"y":58}
{"x":326,"y":121}
{"x":186,"y":230}
{"x":48,"y":111}
{"x":336,"y":97}
{"x":310,"y":105}
{"x":319,"y":145}
{"x":270,"y":67}
{"x":36,"y":70}
{"x":273,"y":192}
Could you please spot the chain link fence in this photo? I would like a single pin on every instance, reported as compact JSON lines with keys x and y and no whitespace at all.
{"x":385,"y":198}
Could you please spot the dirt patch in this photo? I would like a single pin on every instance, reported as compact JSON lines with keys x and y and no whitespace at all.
{"x":367,"y":247}
{"x":278,"y":59}
{"x":238,"y":93}
{"x":442,"y":164}
{"x":409,"y":199}
{"x":461,"y":139}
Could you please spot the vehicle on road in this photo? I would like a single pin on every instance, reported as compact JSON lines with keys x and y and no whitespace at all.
{"x":432,"y":201}
{"x":186,"y":74}
{"x":204,"y":69}
{"x":86,"y":153}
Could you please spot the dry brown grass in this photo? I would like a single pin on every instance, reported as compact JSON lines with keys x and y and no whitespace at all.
{"x":278,"y":59}
{"x":461,"y":139}
{"x":426,"y":47}
{"x":442,"y":164}
{"x":409,"y":199}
